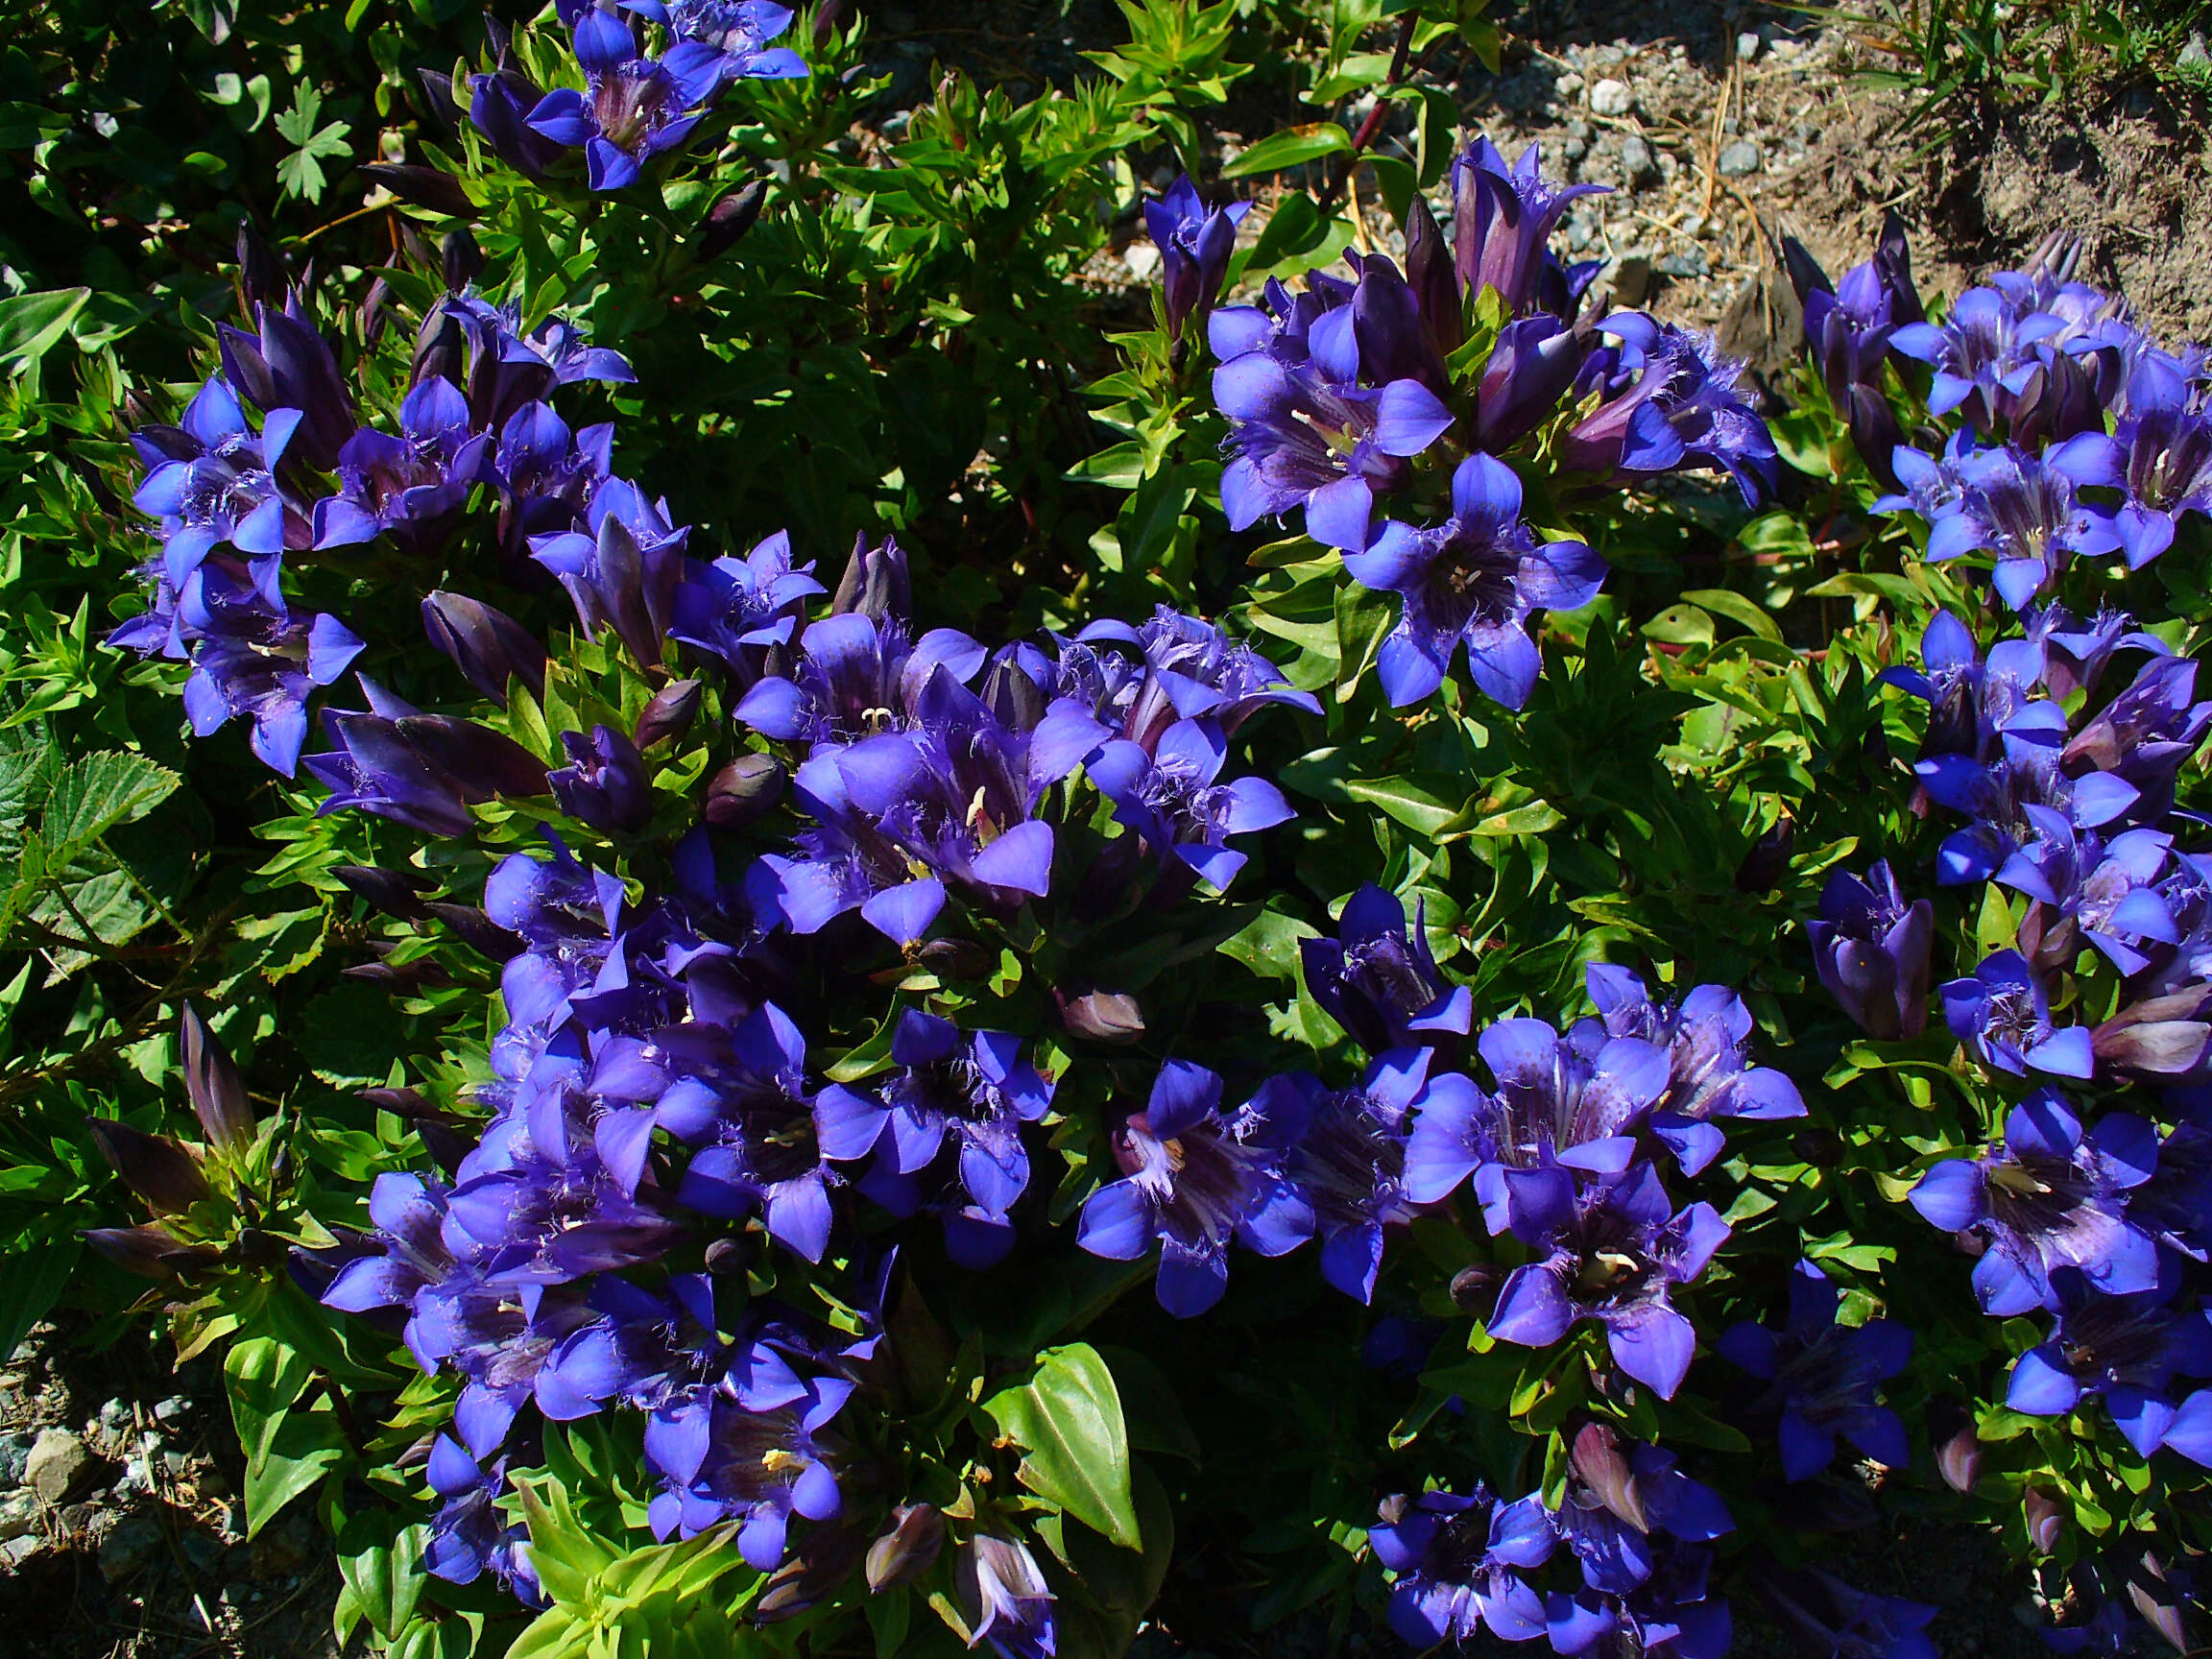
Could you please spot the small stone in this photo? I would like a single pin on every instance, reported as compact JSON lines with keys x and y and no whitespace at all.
{"x":1748,"y":46}
{"x":57,"y":1464}
{"x":1577,"y":129}
{"x":126,"y":1551}
{"x":1142,"y":259}
{"x":14,"y":1454}
{"x":170,"y":1409}
{"x":1689,"y":262}
{"x":18,"y":1515}
{"x":1610,"y":97}
{"x":1739,"y":159}
{"x":18,"y":1551}
{"x":1574,"y":148}
{"x":1638,"y":165}
{"x":113,"y":1415}
{"x":1568,"y":84}
{"x":1694,"y":227}
{"x":135,"y":1477}
{"x":175,"y":1463}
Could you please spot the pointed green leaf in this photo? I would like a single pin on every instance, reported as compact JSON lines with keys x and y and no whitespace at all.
{"x":1067,"y":1421}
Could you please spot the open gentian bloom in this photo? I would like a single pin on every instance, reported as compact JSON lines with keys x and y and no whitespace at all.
{"x":1670,"y":401}
{"x":1195,"y":244}
{"x":2126,"y":1348}
{"x":1502,"y":218}
{"x":2141,"y":738}
{"x":1627,"y":1508}
{"x":1823,"y":1375}
{"x":1997,"y":795}
{"x":737,"y":31}
{"x":1611,"y":1250}
{"x":1983,"y":353}
{"x":1973,"y":704}
{"x":468,"y":1535}
{"x":2048,"y":1198}
{"x":547,"y":475}
{"x":2107,"y":892}
{"x":1556,"y":1103}
{"x":411,"y":486}
{"x":1709,"y":1070}
{"x":973,"y":1092}
{"x":1004,"y":1597}
{"x":257,"y":661}
{"x":1455,"y":1565}
{"x":1849,"y":1623}
{"x":766,"y":1154}
{"x":623,"y":575}
{"x":1870,"y":948}
{"x":633,"y":108}
{"x":734,"y":609}
{"x":211,"y":481}
{"x":1192,"y":1179}
{"x":1474,"y":578}
{"x":2002,"y":1015}
{"x":2159,"y":456}
{"x":1927,"y":485}
{"x":1171,"y":799}
{"x":2024,"y":510}
{"x":749,"y":1449}
{"x":1350,"y":1163}
{"x":1378,"y":979}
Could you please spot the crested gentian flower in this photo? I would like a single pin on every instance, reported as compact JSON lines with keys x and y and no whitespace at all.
{"x":2140,"y":739}
{"x":1378,"y":979}
{"x":1983,"y":353}
{"x":1170,"y":798}
{"x":1557,"y":1103}
{"x":1501,"y":220}
{"x":1005,"y":1599}
{"x":1972,"y":705}
{"x":853,"y":676}
{"x":2075,"y":654}
{"x":767,"y":1153}
{"x":1530,"y":369}
{"x":637,"y":1347}
{"x":211,"y":481}
{"x":1709,"y":1074}
{"x":506,"y":370}
{"x":287,"y":364}
{"x":2027,"y":772}
{"x":259,"y":662}
{"x":1455,"y":1565}
{"x":632,"y":108}
{"x":2023,"y":510}
{"x":411,"y":486}
{"x":1193,"y":1178}
{"x":1349,"y":1164}
{"x":739,"y":30}
{"x":2004,"y":1017}
{"x":1625,"y":1507}
{"x":2107,"y":892}
{"x":545,"y":475}
{"x":967,"y":1092}
{"x":468,"y":1535}
{"x":734,"y":609}
{"x":1928,"y":485}
{"x":1668,"y":401}
{"x":2128,"y":1348}
{"x":1823,"y":1377}
{"x":605,"y":784}
{"x":1304,"y":432}
{"x":1609,"y":1249}
{"x":2046,"y":1198}
{"x":1474,"y":578}
{"x":1195,"y":244}
{"x":2159,"y":456}
{"x":623,"y":574}
{"x":1870,"y":948}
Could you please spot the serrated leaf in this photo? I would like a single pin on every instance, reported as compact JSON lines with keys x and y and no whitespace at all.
{"x":99,"y":792}
{"x":1067,"y":1421}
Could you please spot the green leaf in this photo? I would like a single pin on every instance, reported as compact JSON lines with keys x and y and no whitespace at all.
{"x":1067,"y":1421}
{"x":1269,"y":945}
{"x":384,"y":1573}
{"x":99,"y":792}
{"x":1293,"y":147}
{"x":288,"y":1450}
{"x":1420,"y":809}
{"x":32,"y":323}
{"x":1736,"y":608}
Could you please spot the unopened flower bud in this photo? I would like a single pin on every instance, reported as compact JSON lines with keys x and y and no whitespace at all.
{"x":1769,"y":859}
{"x":909,"y":1548}
{"x":727,"y":221}
{"x":408,"y":1103}
{"x":744,"y":790}
{"x":393,"y":893}
{"x":604,"y":783}
{"x":875,"y":583}
{"x":670,"y":712}
{"x":489,"y":647}
{"x":1474,"y":1289}
{"x":157,"y":1168}
{"x":1957,"y":1448}
{"x":1102,"y":1015}
{"x":2046,"y":1517}
{"x":216,"y":1093}
{"x":727,"y":1256}
{"x":150,"y":1252}
{"x":2161,"y":1602}
{"x":955,"y":958}
{"x":472,"y":927}
{"x":438,"y":95}
{"x":1598,"y":1459}
{"x":260,"y":272}
{"x":459,"y":258}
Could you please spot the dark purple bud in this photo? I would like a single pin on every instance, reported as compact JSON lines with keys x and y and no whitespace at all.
{"x":875,"y":583}
{"x":486,"y":763}
{"x":1430,"y":274}
{"x":605,"y":783}
{"x":727,"y":1256}
{"x":1875,"y":432}
{"x":446,"y":1147}
{"x":399,"y":978}
{"x":744,"y":790}
{"x":372,"y":312}
{"x":1893,"y":259}
{"x":157,"y":1168}
{"x":1870,"y":947}
{"x":218,"y":1093}
{"x":150,"y":1252}
{"x":2161,"y":1602}
{"x":489,"y":647}
{"x":2157,"y":1036}
{"x":392,"y":893}
{"x":1530,"y":369}
{"x":1957,"y":1447}
{"x":955,"y":958}
{"x":260,"y":272}
{"x":1769,"y":859}
{"x":416,"y":250}
{"x":460,"y":258}
{"x":727,"y":221}
{"x":478,"y":931}
{"x":441,"y":350}
{"x":1102,"y":1015}
{"x":909,"y":1548}
{"x":1599,"y":1459}
{"x":670,"y":712}
{"x":1805,"y":273}
{"x":422,"y":187}
{"x":828,"y":17}
{"x":2046,"y":1517}
{"x":438,"y":96}
{"x":408,"y":1103}
{"x":1474,"y":1289}
{"x":823,"y":1562}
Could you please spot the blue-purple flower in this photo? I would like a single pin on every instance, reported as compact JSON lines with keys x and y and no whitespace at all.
{"x":1194,"y":242}
{"x":1870,"y":948}
{"x":251,"y":659}
{"x":1193,"y":1178}
{"x":623,"y":574}
{"x":1502,"y":217}
{"x":1456,"y":1564}
{"x":1172,"y":798}
{"x":1378,"y":979}
{"x":1475,"y":578}
{"x":286,"y":364}
{"x":1609,"y":1249}
{"x":468,"y":1535}
{"x":737,"y":31}
{"x":2003,"y":1015}
{"x":734,"y":609}
{"x":766,"y":1154}
{"x":605,"y":784}
{"x":1823,"y":1377}
{"x":632,"y":108}
{"x":1668,"y":401}
{"x":2025,"y":511}
{"x":2126,"y":1348}
{"x":411,"y":486}
{"x":1349,"y":1164}
{"x":211,"y":481}
{"x":1004,"y":1597}
{"x":2049,"y":1197}
{"x":2105,"y":892}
